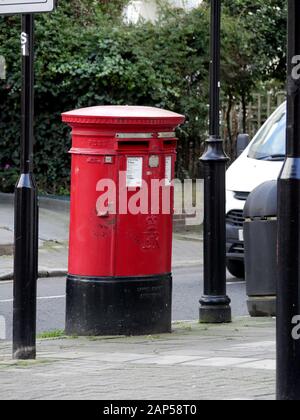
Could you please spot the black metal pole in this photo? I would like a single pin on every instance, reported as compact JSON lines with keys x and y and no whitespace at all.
{"x":288,"y":300}
{"x":26,"y":213}
{"x":214,"y":304}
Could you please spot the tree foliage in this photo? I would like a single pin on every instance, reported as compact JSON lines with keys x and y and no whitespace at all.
{"x":266,"y":23}
{"x":86,"y":55}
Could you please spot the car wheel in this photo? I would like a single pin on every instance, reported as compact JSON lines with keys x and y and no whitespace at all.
{"x":236,"y":268}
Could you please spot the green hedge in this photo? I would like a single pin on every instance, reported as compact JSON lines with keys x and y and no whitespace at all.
{"x":85,"y":59}
{"x":86,"y":56}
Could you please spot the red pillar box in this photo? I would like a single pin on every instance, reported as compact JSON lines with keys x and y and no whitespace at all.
{"x":123,"y":161}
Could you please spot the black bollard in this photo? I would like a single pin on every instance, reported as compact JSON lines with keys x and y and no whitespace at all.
{"x":26,"y":213}
{"x":215,"y":304}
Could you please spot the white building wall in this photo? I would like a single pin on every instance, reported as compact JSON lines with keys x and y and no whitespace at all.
{"x":186,"y":4}
{"x":141,"y":9}
{"x":148,"y":9}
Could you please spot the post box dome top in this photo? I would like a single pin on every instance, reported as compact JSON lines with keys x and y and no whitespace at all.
{"x":123,"y":115}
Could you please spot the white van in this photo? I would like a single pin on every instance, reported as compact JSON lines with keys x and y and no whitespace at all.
{"x":261,"y":161}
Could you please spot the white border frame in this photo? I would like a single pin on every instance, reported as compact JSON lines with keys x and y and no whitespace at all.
{"x":14,"y":7}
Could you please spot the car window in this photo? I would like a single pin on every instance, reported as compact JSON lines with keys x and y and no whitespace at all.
{"x":270,"y":141}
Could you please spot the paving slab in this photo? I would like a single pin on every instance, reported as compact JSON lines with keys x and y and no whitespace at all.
{"x":194,"y":362}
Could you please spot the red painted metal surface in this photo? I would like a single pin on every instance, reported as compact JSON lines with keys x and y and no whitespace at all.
{"x":107,"y":144}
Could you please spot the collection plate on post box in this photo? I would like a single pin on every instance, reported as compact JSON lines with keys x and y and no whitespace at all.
{"x":12,"y":7}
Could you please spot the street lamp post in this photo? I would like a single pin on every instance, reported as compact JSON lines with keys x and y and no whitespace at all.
{"x":214,"y":304}
{"x":26,"y":213}
{"x":288,"y":301}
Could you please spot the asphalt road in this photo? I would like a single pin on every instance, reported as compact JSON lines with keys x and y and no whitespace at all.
{"x":188,"y":286}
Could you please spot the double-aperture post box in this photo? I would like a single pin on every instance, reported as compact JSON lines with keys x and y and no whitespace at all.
{"x":123,"y":163}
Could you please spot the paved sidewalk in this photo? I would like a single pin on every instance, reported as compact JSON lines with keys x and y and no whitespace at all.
{"x":53,"y":240}
{"x":226,"y":362}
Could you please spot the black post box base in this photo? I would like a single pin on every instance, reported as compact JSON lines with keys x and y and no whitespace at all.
{"x":262,"y":306}
{"x":119,"y":305}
